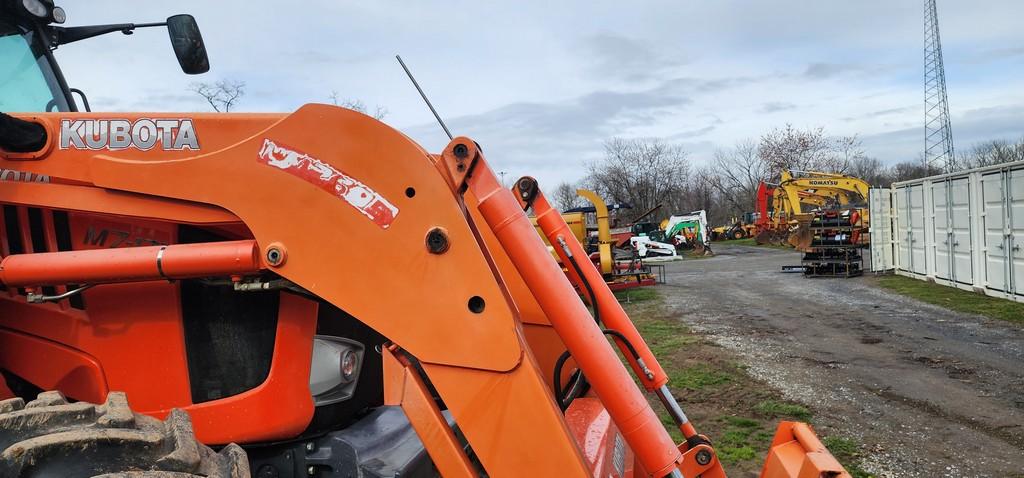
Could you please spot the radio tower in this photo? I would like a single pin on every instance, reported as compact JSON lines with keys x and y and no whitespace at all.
{"x":938,"y":137}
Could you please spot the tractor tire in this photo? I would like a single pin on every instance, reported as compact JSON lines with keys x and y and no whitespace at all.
{"x":51,"y":438}
{"x":738,"y":234}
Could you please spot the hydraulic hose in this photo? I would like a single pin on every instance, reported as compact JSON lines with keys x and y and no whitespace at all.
{"x":586,"y":285}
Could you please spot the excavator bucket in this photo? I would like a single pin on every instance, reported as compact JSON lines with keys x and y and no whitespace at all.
{"x":800,"y":237}
{"x":796,"y":452}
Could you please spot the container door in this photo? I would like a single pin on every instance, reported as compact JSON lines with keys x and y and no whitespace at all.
{"x":917,"y":233}
{"x":1015,"y":242}
{"x":880,"y":229}
{"x":997,"y":271}
{"x":943,"y":230}
{"x":902,"y":209}
{"x":951,"y":199}
{"x":962,"y":223}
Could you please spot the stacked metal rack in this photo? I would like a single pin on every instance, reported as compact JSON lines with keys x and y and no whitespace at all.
{"x":835,"y":249}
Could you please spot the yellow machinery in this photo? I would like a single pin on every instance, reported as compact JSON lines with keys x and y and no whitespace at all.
{"x":604,"y":234}
{"x":793,"y":198}
{"x":737,"y":228}
{"x":818,"y":189}
{"x":578,"y":226}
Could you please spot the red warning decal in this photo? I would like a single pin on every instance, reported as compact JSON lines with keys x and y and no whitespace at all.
{"x":326,"y":177}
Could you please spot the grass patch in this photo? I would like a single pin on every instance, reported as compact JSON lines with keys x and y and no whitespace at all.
{"x":665,"y":337}
{"x":955,"y":299}
{"x":777,"y":409}
{"x":847,"y":451}
{"x":697,"y":377}
{"x":741,"y":440}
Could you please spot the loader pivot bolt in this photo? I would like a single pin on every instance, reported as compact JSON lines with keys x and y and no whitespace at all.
{"x":275,"y":255}
{"x":461,"y":151}
{"x":437,"y":241}
{"x":703,"y":457}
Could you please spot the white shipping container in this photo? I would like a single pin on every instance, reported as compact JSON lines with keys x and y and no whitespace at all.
{"x":963,"y":229}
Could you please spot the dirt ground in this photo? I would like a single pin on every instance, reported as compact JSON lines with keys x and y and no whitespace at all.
{"x":926,"y":392}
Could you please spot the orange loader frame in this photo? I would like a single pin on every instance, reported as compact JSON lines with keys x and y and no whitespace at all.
{"x":461,"y":285}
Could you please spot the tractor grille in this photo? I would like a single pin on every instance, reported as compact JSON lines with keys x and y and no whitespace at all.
{"x":26,"y":230}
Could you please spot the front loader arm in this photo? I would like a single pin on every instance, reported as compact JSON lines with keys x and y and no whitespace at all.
{"x":355,"y":213}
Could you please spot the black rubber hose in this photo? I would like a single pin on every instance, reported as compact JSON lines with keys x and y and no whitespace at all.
{"x":20,"y":136}
{"x":560,"y":395}
{"x":586,"y":285}
{"x":628,"y":344}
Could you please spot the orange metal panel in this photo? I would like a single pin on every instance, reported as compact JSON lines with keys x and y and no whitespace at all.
{"x":796,"y":452}
{"x":511,"y":421}
{"x":52,"y":366}
{"x":132,"y":346}
{"x":281,"y":407}
{"x":602,"y":446}
{"x":404,"y":385}
{"x":87,"y":198}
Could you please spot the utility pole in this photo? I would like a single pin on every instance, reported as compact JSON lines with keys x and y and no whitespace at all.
{"x":502,"y":174}
{"x":938,"y":136}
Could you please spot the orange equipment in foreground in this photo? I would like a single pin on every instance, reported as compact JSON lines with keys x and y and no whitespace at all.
{"x":478,"y":266}
{"x":211,"y":270}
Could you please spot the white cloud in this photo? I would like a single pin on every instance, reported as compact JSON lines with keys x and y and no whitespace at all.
{"x":542,"y":84}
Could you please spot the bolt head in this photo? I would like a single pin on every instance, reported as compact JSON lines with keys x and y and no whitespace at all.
{"x":703,"y":457}
{"x":437,"y":241}
{"x":275,"y":255}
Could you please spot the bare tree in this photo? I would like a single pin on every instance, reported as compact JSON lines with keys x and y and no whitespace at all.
{"x":871,"y":170}
{"x":915,"y":169}
{"x":991,"y":152}
{"x":378,"y":114}
{"x":565,"y":197}
{"x":807,"y":150}
{"x":848,"y":149}
{"x":738,"y":172}
{"x":222,"y":95}
{"x":643,"y":172}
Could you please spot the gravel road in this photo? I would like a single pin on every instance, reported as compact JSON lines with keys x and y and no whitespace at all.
{"x":928,"y":392}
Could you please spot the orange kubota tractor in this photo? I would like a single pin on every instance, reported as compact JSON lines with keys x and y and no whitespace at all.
{"x":211,"y":270}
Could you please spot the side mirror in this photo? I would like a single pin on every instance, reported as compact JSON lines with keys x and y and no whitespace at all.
{"x":188,"y":44}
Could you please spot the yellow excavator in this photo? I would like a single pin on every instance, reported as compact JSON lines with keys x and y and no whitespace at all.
{"x":786,"y":207}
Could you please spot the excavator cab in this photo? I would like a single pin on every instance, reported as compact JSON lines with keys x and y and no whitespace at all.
{"x":173,"y":281}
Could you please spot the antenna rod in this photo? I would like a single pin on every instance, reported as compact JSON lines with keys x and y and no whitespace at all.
{"x":424,"y":95}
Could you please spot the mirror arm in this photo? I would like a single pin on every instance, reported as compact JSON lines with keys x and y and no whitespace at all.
{"x":65,"y":35}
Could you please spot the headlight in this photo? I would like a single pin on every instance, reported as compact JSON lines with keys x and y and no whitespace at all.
{"x":58,"y":15}
{"x":334,"y":369}
{"x":36,"y":7}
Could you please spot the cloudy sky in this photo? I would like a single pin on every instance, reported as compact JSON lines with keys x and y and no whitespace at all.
{"x":541,"y":85}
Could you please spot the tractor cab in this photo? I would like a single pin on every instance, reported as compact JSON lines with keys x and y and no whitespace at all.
{"x":31,"y":80}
